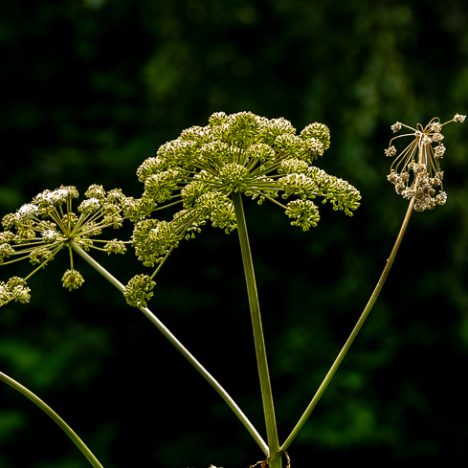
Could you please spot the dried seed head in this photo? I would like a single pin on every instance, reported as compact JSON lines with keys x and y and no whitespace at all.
{"x":415,"y":171}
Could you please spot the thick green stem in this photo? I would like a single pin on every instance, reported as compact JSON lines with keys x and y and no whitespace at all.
{"x":344,"y":350}
{"x":275,"y":455}
{"x":182,"y":349}
{"x":55,"y":417}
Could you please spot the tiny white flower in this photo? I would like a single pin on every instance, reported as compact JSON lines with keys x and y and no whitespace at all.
{"x":28,"y":210}
{"x":90,"y":205}
{"x":49,"y":235}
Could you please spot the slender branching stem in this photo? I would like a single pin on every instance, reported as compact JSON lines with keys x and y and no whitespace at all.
{"x":365,"y":313}
{"x":55,"y":417}
{"x":181,"y":348}
{"x":275,"y":456}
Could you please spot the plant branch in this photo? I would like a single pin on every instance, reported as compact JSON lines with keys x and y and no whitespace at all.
{"x":55,"y":417}
{"x":365,"y":313}
{"x":182,"y":349}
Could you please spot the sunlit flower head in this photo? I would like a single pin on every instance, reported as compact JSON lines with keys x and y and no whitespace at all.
{"x":415,"y":171}
{"x":38,"y":230}
{"x":260,"y":158}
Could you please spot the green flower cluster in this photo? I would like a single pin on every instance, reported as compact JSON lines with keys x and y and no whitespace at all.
{"x":139,"y":290}
{"x":37,"y":231}
{"x":263,"y":159}
{"x":415,"y":172}
{"x":195,"y":176}
{"x":15,"y":289}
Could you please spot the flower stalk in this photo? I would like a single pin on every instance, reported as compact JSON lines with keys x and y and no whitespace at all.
{"x":417,"y":176}
{"x":352,"y":336}
{"x":94,"y":462}
{"x":275,"y":457}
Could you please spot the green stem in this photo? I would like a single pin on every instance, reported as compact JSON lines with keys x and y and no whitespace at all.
{"x":55,"y":417}
{"x":367,"y":309}
{"x":275,"y":458}
{"x":182,"y":349}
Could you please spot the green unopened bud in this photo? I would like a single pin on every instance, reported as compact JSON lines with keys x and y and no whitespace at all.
{"x":139,"y":290}
{"x":317,"y":131}
{"x":304,"y":213}
{"x":115,"y":246}
{"x":72,"y":279}
{"x":153,"y":239}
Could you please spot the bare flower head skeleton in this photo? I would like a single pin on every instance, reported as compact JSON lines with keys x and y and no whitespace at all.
{"x":415,"y":171}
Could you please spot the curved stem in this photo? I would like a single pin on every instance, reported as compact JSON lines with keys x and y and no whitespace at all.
{"x":367,"y":309}
{"x":182,"y":349}
{"x":275,"y":459}
{"x":55,"y":417}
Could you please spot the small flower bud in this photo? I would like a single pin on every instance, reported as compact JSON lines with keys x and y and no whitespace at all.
{"x":115,"y":247}
{"x":139,"y":290}
{"x":319,"y":131}
{"x":95,"y":191}
{"x":72,"y":279}
{"x":89,"y":206}
{"x":304,"y":213}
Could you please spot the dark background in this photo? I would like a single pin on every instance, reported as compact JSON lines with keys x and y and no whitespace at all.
{"x":90,"y":88}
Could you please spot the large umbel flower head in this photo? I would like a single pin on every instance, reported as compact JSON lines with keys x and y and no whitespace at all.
{"x":260,"y":158}
{"x":38,"y":230}
{"x":415,"y":171}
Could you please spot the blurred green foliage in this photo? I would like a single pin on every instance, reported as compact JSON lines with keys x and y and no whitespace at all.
{"x":92,"y":87}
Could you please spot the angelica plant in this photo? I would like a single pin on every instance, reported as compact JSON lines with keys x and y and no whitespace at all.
{"x":203,"y":177}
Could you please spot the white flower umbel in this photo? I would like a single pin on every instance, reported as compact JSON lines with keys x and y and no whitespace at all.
{"x":37,"y":231}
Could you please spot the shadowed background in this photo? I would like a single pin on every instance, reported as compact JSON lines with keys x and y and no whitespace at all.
{"x":90,"y":88}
